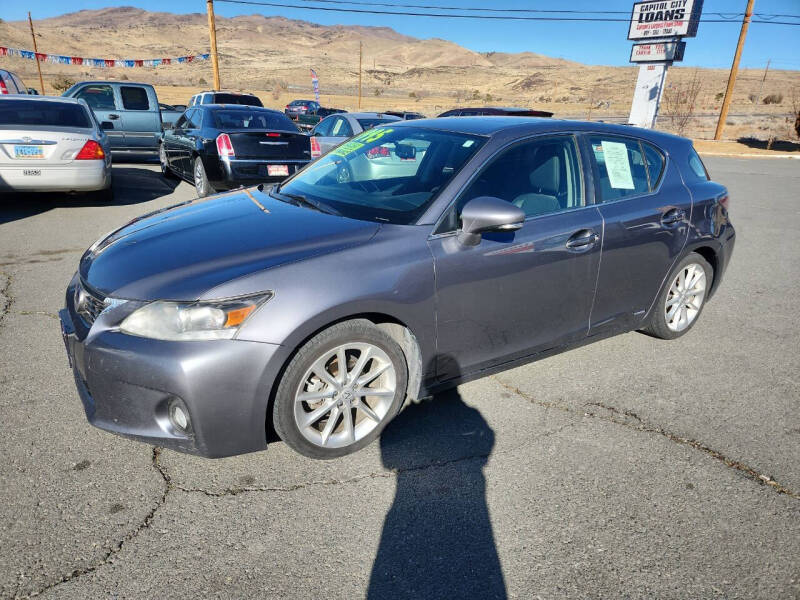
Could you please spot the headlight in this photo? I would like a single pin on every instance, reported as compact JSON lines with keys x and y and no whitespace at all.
{"x":212,"y":320}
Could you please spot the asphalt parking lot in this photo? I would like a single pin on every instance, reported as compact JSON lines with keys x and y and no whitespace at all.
{"x":631,"y":468}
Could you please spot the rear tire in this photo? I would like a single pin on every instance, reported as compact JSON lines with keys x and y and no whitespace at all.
{"x":201,"y":184}
{"x":323,"y":412}
{"x":166,"y":171}
{"x":682,"y":300}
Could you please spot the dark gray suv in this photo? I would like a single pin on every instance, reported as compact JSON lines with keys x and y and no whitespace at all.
{"x":416,"y":256}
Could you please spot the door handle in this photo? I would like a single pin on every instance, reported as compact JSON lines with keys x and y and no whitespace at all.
{"x":672,"y":216}
{"x":585,"y":238}
{"x":113,"y":117}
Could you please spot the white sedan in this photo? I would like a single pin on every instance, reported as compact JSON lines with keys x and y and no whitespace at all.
{"x":52,"y":145}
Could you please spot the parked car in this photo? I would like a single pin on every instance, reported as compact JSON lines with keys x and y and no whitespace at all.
{"x":321,"y":304}
{"x":301,"y":107}
{"x":496,"y":111}
{"x":407,"y":116}
{"x":127,"y":111}
{"x":225,"y":98}
{"x":223,"y":146}
{"x":52,"y":145}
{"x":308,"y":121}
{"x":170,"y":113}
{"x":10,"y":83}
{"x":333,"y":130}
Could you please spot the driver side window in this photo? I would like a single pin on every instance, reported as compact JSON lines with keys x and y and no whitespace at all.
{"x":540,"y":176}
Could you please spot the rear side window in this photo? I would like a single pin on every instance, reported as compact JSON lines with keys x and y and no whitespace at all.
{"x":697,"y":170}
{"x":655,"y":164}
{"x":341,"y":128}
{"x":98,"y":97}
{"x":21,"y":113}
{"x":134,"y":98}
{"x":620,"y":164}
{"x":370,"y":123}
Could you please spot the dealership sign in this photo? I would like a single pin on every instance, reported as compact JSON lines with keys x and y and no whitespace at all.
{"x":667,"y":18}
{"x":657,"y":52}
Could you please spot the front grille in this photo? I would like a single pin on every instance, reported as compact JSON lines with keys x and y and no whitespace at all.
{"x":88,"y":304}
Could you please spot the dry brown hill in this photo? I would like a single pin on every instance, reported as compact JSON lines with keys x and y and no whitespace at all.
{"x":272,"y":56}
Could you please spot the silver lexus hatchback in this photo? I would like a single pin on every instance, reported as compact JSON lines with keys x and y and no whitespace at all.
{"x":414,"y":257}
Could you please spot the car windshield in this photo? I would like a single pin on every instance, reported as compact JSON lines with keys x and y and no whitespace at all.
{"x":16,"y":113}
{"x":370,"y":123}
{"x":385,"y":174}
{"x":252,"y":119}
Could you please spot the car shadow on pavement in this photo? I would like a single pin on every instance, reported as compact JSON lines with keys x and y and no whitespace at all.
{"x":437,"y":539}
{"x":131,"y":184}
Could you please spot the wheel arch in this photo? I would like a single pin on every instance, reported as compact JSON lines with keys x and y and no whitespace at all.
{"x":399,"y":331}
{"x":711,"y":256}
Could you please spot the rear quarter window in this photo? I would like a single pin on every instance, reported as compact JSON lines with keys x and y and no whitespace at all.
{"x":697,"y":170}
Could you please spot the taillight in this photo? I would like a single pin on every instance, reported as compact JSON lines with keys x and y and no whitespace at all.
{"x":378,"y":152}
{"x":91,"y":151}
{"x":273,"y":134}
{"x":3,"y":88}
{"x":224,"y":146}
{"x":316,"y":151}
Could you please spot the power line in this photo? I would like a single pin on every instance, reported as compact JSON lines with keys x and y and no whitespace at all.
{"x":459,"y":16}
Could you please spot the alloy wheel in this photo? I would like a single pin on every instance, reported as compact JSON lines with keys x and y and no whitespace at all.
{"x":685,"y":297}
{"x":199,"y":178}
{"x":345,"y":394}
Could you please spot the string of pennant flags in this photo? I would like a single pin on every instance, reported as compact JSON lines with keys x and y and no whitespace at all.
{"x":99,"y":62}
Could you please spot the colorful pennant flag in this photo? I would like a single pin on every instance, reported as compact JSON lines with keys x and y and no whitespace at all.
{"x":98,"y":62}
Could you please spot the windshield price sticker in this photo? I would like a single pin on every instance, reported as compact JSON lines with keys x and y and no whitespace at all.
{"x":360,"y":141}
{"x":618,"y":165}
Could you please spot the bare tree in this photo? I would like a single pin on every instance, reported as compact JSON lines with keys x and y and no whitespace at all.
{"x":796,"y":110}
{"x":680,"y":102}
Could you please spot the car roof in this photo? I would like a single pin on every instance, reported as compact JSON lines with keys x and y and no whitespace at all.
{"x":370,"y":115}
{"x":494,"y":125}
{"x":36,"y":98}
{"x":237,"y":107}
{"x":109,"y":81}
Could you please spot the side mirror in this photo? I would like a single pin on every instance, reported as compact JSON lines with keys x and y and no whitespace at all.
{"x":487,"y":213}
{"x":405,"y":151}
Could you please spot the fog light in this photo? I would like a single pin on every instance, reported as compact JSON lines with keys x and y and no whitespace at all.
{"x":179,"y":417}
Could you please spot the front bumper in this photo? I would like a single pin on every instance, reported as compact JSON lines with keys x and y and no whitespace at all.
{"x":126,"y":384}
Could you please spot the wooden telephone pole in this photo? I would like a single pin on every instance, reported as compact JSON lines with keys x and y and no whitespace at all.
{"x":36,"y":51}
{"x":212,"y":34}
{"x":726,"y":103}
{"x":360,"y":56}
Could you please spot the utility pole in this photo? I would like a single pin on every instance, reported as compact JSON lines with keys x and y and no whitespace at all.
{"x":763,"y":79}
{"x":726,"y":103}
{"x":36,"y":51}
{"x":360,"y":56}
{"x":212,"y":34}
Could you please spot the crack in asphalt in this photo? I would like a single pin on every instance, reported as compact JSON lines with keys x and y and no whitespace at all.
{"x":5,"y":296}
{"x":112,"y":551}
{"x":628,"y":418}
{"x":37,"y":313}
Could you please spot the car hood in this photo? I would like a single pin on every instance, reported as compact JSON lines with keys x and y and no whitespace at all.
{"x":182,"y":252}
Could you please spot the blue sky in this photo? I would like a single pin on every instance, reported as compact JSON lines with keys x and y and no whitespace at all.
{"x":592,"y":43}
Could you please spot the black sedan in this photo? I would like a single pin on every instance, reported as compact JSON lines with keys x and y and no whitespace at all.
{"x":224,"y":146}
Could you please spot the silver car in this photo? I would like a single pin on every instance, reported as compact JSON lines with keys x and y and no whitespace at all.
{"x":333,"y":130}
{"x":50,"y":144}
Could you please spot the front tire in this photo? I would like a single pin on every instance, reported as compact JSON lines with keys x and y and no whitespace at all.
{"x":325,"y":411}
{"x":680,"y":303}
{"x":201,"y":183}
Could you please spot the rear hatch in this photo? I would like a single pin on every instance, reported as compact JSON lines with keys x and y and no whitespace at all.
{"x":31,"y":146}
{"x":268,"y":145}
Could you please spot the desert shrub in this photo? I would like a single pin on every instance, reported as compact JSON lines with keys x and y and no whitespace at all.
{"x":412,"y":94}
{"x":62,"y":83}
{"x":487,"y":98}
{"x":202,"y":81}
{"x":680,"y":101}
{"x":377,"y":92}
{"x":753,"y":98}
{"x":476,"y":94}
{"x":123,"y":77}
{"x":773,"y":99}
{"x":719,"y":96}
{"x":276,"y":92}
